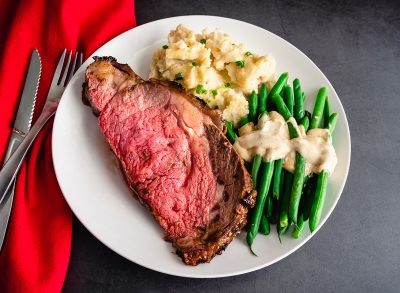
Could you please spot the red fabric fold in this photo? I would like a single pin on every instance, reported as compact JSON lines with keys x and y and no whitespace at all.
{"x":36,"y":252}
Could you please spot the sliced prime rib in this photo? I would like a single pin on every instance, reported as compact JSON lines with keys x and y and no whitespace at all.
{"x":175,"y":157}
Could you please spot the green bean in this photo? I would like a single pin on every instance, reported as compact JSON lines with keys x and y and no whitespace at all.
{"x":276,"y":187}
{"x":282,"y":92}
{"x":281,"y":82}
{"x":275,"y":212}
{"x":292,"y":131}
{"x":282,"y":181}
{"x":269,"y":204}
{"x":254,"y":169}
{"x":327,"y":113}
{"x":289,"y":98}
{"x":277,"y":88}
{"x":262,"y":100}
{"x":284,"y":200}
{"x":322,"y":182}
{"x":265,"y":181}
{"x":332,"y":122}
{"x":280,"y":104}
{"x":230,"y":134}
{"x":309,"y":193}
{"x":325,"y":117}
{"x":281,"y":230}
{"x":305,"y":122}
{"x":297,"y":187}
{"x":299,"y":227}
{"x":298,"y":112}
{"x":276,"y":202}
{"x":303,"y":204}
{"x":243,"y":121}
{"x":322,"y":121}
{"x":264,"y":225}
{"x":318,"y":108}
{"x":318,"y":203}
{"x":253,"y":105}
{"x":298,"y":180}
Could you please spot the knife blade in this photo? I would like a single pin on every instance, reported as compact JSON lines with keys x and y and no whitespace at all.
{"x":22,"y":124}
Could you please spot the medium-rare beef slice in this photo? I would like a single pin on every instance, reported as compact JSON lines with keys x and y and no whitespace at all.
{"x":104,"y":78}
{"x":175,"y":156}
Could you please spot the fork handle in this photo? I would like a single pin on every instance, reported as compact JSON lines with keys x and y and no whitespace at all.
{"x":13,"y":164}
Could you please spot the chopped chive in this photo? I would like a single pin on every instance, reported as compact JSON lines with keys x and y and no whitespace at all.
{"x":165,"y":47}
{"x":200,"y":89}
{"x":247,"y":54}
{"x":178,"y":76}
{"x":214,"y":92}
{"x":240,"y":63}
{"x":228,"y":85}
{"x":208,"y":101}
{"x":203,"y":41}
{"x":194,"y":63}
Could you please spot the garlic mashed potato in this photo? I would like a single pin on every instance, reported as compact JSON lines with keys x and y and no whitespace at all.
{"x":215,"y":68}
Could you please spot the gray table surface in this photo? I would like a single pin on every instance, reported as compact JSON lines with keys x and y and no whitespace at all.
{"x":357,"y":45}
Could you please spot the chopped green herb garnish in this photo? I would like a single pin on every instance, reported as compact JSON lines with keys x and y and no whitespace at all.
{"x":228,"y":85}
{"x":200,"y":89}
{"x":214,"y":92}
{"x":203,"y":41}
{"x":240,"y":63}
{"x":165,"y":47}
{"x":178,"y":76}
{"x":208,"y":101}
{"x":194,"y":63}
{"x":247,"y":54}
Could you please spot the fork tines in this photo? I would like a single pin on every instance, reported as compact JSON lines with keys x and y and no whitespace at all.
{"x":64,"y":72}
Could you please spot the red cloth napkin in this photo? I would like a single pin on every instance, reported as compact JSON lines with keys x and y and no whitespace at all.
{"x":37,"y":248}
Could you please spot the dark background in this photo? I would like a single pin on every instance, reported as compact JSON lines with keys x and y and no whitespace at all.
{"x":357,"y":45}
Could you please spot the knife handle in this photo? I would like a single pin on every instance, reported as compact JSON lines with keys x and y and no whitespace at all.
{"x":13,"y":164}
{"x":15,"y":141}
{"x":6,"y":204}
{"x":5,"y":211}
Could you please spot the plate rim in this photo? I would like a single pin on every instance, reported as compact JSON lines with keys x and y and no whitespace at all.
{"x":215,"y":275}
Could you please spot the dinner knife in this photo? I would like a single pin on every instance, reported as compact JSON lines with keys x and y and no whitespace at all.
{"x":22,"y":124}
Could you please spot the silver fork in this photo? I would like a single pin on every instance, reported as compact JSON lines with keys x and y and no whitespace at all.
{"x":58,"y":84}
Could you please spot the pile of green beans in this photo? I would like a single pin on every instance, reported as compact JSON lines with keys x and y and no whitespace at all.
{"x":285,"y":198}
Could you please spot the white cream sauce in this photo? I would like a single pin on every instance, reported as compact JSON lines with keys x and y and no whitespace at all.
{"x":270,"y":139}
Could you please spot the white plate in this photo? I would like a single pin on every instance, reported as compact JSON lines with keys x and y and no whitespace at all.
{"x":96,"y":192}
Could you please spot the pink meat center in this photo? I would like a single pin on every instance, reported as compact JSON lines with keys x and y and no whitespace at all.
{"x":170,"y":167}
